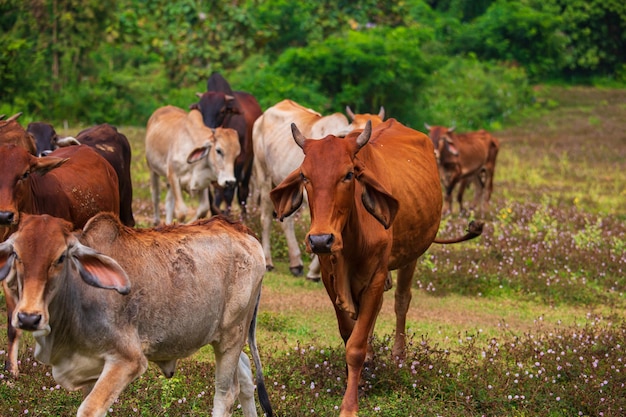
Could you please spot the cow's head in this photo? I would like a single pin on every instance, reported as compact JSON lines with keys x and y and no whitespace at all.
{"x":36,"y":262}
{"x":18,"y":165}
{"x":215,"y":159}
{"x":358,"y":121}
{"x":335,"y":181}
{"x":216,"y":107}
{"x":443,"y":142}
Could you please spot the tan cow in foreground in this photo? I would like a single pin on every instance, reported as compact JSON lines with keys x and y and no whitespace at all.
{"x":375,"y":203}
{"x":190,"y":155}
{"x":104,"y":302}
{"x":464,"y":158}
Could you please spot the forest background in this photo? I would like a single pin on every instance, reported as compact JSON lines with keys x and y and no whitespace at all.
{"x":469,"y":63}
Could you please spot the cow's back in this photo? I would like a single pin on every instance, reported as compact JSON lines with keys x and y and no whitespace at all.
{"x":174,"y":278}
{"x":113,"y":146}
{"x":403,"y":159}
{"x":165,"y":134}
{"x":79,"y":189}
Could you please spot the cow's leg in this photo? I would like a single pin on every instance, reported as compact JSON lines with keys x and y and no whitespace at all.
{"x":265,"y":207}
{"x":460,"y":193}
{"x":204,"y":205}
{"x":246,"y":386}
{"x":226,"y":381}
{"x":447,"y":201}
{"x":402,"y":301}
{"x":314,"y":273}
{"x":180,"y":208}
{"x":479,"y":185}
{"x":243,"y":187}
{"x":356,"y":348}
{"x":295,"y":256}
{"x":115,"y":376}
{"x":154,"y":189}
{"x":13,"y":336}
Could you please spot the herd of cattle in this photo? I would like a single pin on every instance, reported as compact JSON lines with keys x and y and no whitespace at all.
{"x":103,"y":297}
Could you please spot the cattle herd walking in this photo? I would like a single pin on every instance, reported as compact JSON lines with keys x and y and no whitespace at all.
{"x":103,"y":297}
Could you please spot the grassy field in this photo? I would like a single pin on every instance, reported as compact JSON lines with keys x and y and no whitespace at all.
{"x":527,"y":320}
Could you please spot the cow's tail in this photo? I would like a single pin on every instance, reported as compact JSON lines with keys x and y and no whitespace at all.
{"x":264,"y":398}
{"x":474,"y":229}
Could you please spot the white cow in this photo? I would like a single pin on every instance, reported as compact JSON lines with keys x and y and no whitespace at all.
{"x":276,"y":155}
{"x":190,"y":155}
{"x":104,"y":302}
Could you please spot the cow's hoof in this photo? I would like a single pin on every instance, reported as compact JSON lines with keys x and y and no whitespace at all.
{"x":313,"y":279}
{"x":269,"y":268}
{"x":297,"y":271}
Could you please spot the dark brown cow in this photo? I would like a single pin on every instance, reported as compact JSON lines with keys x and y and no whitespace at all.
{"x":73,"y":183}
{"x":366,"y":220}
{"x":113,"y":145}
{"x":11,"y":132}
{"x":464,"y":158}
{"x":104,"y":139}
{"x":102,"y":303}
{"x":222,"y":107}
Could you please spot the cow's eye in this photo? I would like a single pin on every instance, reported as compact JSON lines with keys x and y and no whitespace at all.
{"x":303,"y":177}
{"x":25,"y":175}
{"x":349,"y":176}
{"x":220,"y":152}
{"x":61,"y":259}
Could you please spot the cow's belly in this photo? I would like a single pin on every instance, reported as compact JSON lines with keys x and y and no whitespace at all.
{"x":76,"y":370}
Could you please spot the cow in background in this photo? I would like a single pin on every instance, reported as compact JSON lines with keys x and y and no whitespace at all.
{"x":190,"y":155}
{"x":275,"y":156}
{"x":464,"y":158}
{"x":105,"y":139}
{"x":103,"y":302}
{"x":78,"y":183}
{"x":358,"y":121}
{"x":222,"y":107}
{"x":366,"y":220}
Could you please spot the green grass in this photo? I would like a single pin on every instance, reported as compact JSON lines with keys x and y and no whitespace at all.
{"x":527,"y":320}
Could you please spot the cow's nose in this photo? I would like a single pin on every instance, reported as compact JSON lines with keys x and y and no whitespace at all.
{"x":28,"y":321}
{"x":6,"y":217}
{"x":321,"y":243}
{"x":230,"y":184}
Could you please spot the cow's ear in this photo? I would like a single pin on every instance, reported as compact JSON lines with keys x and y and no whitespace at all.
{"x":288,"y":195}
{"x":46,"y":164}
{"x":199,"y":153}
{"x":377,"y":201}
{"x":99,"y":270}
{"x":450,"y":146}
{"x":7,"y":256}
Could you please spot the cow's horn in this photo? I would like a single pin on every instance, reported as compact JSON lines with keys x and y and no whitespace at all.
{"x":14,"y":117}
{"x":364,"y":137}
{"x":427,"y":126}
{"x":381,"y":113}
{"x":451,"y":129}
{"x":297,"y":135}
{"x":349,"y":112}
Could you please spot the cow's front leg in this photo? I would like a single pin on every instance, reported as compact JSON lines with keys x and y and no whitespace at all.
{"x":13,"y":335}
{"x":175,"y":194}
{"x":356,"y":348}
{"x":115,"y":376}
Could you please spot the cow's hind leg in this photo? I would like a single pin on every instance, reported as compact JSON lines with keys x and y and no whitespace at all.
{"x":402,"y":301}
{"x":246,"y":386}
{"x":226,"y":382}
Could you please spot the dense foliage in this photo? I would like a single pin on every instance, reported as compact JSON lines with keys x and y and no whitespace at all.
{"x":117,"y":61}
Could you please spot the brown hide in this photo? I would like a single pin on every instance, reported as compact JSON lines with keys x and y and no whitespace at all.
{"x":465,"y":158}
{"x":375,"y":206}
{"x":11,"y":132}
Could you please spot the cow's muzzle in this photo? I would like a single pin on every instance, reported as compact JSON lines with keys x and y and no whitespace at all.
{"x":321,"y":243}
{"x":7,"y":217}
{"x":27,"y":321}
